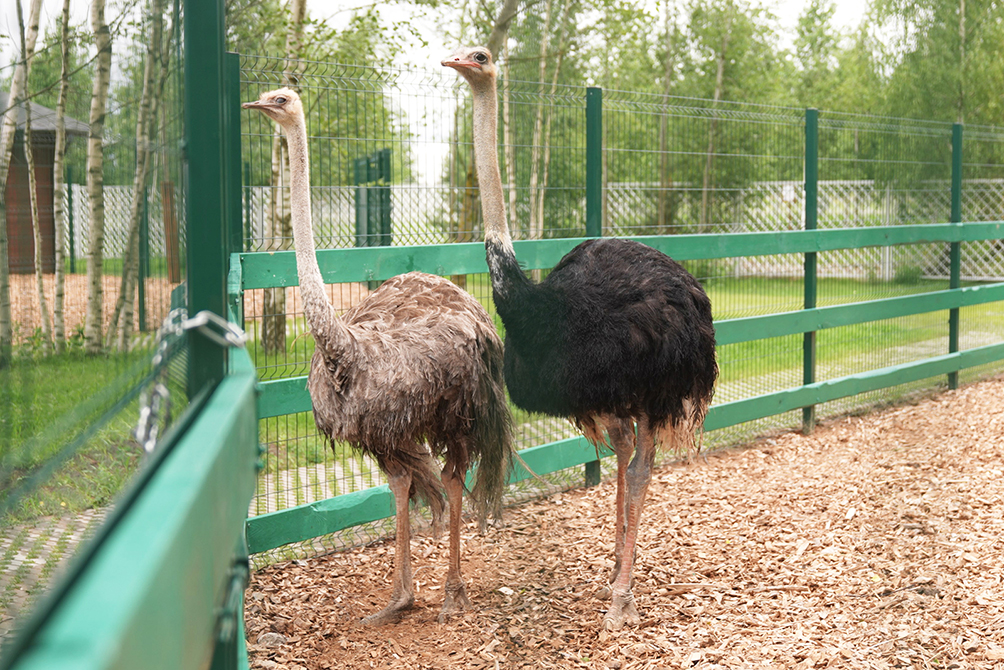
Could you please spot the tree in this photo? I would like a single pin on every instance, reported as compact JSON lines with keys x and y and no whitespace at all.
{"x":7,"y":134}
{"x":154,"y":77}
{"x":816,"y":50}
{"x":59,"y":326}
{"x":36,"y":227}
{"x":95,"y":179}
{"x":273,"y":324}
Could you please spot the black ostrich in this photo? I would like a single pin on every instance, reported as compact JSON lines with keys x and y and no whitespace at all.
{"x":618,"y":334}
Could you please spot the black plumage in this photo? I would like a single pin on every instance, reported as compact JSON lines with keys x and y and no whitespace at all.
{"x":618,"y":337}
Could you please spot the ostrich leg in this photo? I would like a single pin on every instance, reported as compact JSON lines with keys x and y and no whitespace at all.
{"x":639,"y":474}
{"x":455,"y":599}
{"x":622,"y":441}
{"x":403,"y":595}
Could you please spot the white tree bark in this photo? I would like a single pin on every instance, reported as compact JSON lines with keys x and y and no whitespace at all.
{"x":120,"y":327}
{"x":95,"y":179}
{"x":559,"y":58}
{"x":36,"y":225}
{"x":7,"y":132}
{"x":510,"y":147}
{"x":536,"y":228}
{"x":59,"y":325}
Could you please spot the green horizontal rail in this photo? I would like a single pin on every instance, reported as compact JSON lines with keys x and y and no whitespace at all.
{"x":153,"y":589}
{"x":304,"y":522}
{"x":289,"y":396}
{"x":276,"y":269}
{"x":746,"y":329}
{"x":749,"y":409}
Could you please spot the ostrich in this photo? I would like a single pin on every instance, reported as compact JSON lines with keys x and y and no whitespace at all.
{"x":417,"y":363}
{"x":618,"y":337}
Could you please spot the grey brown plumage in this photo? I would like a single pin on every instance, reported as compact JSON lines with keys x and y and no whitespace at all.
{"x":412,"y":373}
{"x":618,"y":337}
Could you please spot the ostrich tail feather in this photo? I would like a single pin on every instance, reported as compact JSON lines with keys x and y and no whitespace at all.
{"x":492,"y":439}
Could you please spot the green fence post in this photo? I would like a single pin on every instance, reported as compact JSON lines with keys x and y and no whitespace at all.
{"x":955,"y":272}
{"x":205,"y":206}
{"x":360,"y":174}
{"x":232,"y":165}
{"x":247,"y":206}
{"x":384,"y":157}
{"x":811,"y":220}
{"x":594,"y":162}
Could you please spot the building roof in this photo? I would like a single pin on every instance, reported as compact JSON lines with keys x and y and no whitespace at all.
{"x":44,"y":119}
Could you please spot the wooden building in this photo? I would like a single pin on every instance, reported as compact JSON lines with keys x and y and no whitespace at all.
{"x":20,"y":237}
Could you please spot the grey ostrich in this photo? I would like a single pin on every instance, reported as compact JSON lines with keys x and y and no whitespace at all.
{"x":417,"y":363}
{"x":618,"y":337}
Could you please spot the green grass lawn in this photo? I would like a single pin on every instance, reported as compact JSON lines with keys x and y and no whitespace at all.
{"x":35,"y":393}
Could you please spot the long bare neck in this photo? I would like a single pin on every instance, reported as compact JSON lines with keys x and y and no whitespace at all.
{"x":319,"y":312}
{"x":486,"y":157}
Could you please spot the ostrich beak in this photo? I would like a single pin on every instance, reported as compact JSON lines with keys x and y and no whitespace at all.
{"x":254,"y":104}
{"x":458,"y":63}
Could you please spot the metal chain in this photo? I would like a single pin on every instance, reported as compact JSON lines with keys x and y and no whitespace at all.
{"x":155,"y":400}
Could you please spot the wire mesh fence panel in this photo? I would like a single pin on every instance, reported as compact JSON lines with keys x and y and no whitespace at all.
{"x":669,"y":166}
{"x":69,"y":410}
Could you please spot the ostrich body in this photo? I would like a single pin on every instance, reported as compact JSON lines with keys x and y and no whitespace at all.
{"x":412,"y":372}
{"x":618,"y":337}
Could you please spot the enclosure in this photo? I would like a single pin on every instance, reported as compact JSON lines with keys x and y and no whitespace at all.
{"x":853,"y":262}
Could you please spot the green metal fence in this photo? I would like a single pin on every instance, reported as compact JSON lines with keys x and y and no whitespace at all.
{"x":159,"y":581}
{"x":732,"y":190}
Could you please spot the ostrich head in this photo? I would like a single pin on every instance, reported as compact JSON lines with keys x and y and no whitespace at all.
{"x":281,"y":105}
{"x":475,"y":64}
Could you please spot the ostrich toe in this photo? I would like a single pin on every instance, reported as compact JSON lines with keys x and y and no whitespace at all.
{"x":390,"y":614}
{"x":456,"y":601}
{"x":622,"y":611}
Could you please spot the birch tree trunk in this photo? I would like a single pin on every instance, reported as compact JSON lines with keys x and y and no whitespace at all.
{"x":8,"y":130}
{"x":36,"y":227}
{"x":664,"y":213}
{"x":510,"y":147}
{"x":273,"y":324}
{"x":709,"y":160}
{"x":120,"y":327}
{"x":95,"y":179}
{"x":58,"y":186}
{"x":536,"y":227}
{"x":562,"y":44}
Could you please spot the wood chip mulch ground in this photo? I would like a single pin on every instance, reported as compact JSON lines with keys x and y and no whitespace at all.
{"x":875,"y":542}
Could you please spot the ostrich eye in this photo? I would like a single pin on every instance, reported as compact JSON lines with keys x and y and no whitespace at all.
{"x":481,"y":57}
{"x":280,"y":100}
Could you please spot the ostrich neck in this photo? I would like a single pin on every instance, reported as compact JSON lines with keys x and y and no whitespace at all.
{"x":320,"y":315}
{"x":486,"y":157}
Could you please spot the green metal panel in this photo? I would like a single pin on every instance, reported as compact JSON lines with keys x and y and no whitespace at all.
{"x":233,"y":231}
{"x":955,"y":253}
{"x":740,"y":411}
{"x":206,"y":211}
{"x":150,"y":595}
{"x":809,"y":275}
{"x":283,"y":396}
{"x":594,"y":162}
{"x":276,"y":269}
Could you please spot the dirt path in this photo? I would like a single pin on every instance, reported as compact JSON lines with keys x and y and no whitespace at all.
{"x":877,"y":542}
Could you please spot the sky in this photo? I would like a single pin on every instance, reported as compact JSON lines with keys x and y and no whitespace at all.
{"x":848,"y":15}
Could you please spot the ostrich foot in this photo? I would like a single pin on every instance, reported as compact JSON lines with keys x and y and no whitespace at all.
{"x":604,"y":592}
{"x":456,"y":601}
{"x":390,"y":614}
{"x":622,"y":611}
